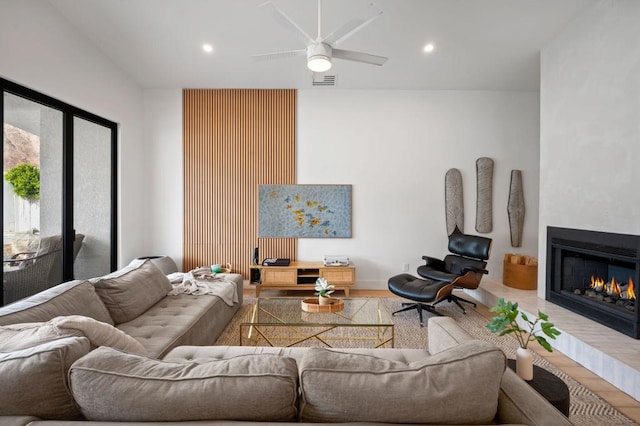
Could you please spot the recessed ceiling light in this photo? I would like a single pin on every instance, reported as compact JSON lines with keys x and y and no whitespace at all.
{"x":428,"y":47}
{"x":207,"y":48}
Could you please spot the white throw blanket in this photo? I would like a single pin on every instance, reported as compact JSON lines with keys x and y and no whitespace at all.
{"x":198,"y":284}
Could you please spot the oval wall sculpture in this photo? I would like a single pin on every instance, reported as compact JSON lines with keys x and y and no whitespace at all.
{"x":515,"y":208}
{"x":484,"y":201}
{"x":454,"y":207}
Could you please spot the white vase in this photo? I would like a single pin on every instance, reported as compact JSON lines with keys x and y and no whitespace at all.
{"x":324,"y":300}
{"x":524,"y":364}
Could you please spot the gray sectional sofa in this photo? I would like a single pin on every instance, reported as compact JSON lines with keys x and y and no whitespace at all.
{"x":135,"y":300}
{"x":120,"y":349}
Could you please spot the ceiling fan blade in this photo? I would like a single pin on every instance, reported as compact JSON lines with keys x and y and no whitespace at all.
{"x":289,"y":23}
{"x":349,"y":29}
{"x":366,"y":58}
{"x":278,"y":55}
{"x":346,"y":28}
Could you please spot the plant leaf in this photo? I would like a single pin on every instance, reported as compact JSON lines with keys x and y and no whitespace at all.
{"x":543,"y":342}
{"x":550,"y":330}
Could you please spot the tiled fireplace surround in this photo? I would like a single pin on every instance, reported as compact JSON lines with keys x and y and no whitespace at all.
{"x":610,"y":354}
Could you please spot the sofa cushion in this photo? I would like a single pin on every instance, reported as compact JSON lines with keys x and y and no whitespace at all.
{"x":34,"y":380}
{"x":456,"y":386}
{"x":15,"y":337}
{"x":179,"y":320}
{"x":70,"y":298}
{"x":132,"y":290}
{"x":445,"y":333}
{"x":27,"y":335}
{"x":144,"y":389}
{"x":98,"y":333}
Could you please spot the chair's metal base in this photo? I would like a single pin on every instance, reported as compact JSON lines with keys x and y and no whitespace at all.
{"x":456,"y":299}
{"x":419,"y":307}
{"x":431,"y":308}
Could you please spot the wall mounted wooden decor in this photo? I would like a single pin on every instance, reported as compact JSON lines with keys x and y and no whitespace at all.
{"x":233,"y":141}
{"x":484,"y":201}
{"x":454,"y":205}
{"x":516,"y":208}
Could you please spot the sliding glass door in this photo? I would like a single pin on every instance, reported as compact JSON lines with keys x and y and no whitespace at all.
{"x":32,"y":197}
{"x":59,"y":192}
{"x":92,"y":164}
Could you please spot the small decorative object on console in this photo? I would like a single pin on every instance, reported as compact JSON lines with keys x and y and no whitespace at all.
{"x":276,"y":262}
{"x":335,"y":260}
{"x":506,"y":323}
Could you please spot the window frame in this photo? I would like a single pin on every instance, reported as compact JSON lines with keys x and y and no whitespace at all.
{"x":69,"y":112}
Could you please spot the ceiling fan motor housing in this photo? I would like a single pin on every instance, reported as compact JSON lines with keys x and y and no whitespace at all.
{"x":319,"y":57}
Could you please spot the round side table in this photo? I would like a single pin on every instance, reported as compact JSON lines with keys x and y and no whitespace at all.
{"x":550,"y":386}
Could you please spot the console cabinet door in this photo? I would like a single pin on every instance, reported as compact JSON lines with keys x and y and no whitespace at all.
{"x":279,"y":276}
{"x":338,"y":275}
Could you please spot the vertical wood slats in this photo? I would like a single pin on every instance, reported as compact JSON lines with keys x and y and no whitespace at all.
{"x":233,"y":141}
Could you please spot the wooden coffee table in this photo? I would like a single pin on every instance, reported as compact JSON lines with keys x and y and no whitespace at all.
{"x":281,"y":322}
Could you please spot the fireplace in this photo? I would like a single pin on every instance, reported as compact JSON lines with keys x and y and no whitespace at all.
{"x":595,"y":274}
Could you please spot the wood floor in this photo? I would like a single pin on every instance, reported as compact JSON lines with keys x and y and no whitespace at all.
{"x":620,"y":400}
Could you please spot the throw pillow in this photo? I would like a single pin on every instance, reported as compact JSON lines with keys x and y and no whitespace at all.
{"x":70,"y":298}
{"x":17,"y":337}
{"x":22,"y":336}
{"x":110,"y":385}
{"x":98,"y":333}
{"x":129,"y":292}
{"x":456,"y":386}
{"x":34,"y":380}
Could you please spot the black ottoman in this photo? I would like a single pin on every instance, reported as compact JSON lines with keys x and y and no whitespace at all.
{"x":425,"y":293}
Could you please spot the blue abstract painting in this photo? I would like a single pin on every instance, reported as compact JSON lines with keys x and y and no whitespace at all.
{"x":304,"y":211}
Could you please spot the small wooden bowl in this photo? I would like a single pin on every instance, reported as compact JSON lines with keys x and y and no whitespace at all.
{"x":311,"y":304}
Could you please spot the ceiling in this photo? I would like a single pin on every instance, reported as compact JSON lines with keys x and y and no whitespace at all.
{"x":479,"y":44}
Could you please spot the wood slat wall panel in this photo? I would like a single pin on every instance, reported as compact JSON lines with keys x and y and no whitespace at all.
{"x":233,"y":141}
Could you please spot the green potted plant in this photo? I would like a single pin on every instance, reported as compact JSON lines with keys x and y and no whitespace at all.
{"x":506,"y":322}
{"x":323,"y":290}
{"x":25,"y":179}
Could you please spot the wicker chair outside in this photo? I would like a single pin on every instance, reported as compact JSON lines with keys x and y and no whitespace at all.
{"x":31,"y":279}
{"x":33,"y":274}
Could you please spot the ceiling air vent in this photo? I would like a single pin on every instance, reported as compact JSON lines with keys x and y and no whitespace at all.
{"x":323,"y":80}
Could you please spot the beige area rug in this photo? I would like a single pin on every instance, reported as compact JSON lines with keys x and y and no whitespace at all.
{"x":587,"y":408}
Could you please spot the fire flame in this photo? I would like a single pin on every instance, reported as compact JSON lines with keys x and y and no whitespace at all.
{"x":613,"y":288}
{"x":597,"y":283}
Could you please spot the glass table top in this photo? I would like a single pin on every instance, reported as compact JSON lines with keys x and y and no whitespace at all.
{"x":288,"y":310}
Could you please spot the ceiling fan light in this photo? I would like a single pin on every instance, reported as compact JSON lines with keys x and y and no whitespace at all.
{"x":319,"y":63}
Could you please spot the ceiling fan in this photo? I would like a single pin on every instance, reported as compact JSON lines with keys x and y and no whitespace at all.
{"x":321,"y":50}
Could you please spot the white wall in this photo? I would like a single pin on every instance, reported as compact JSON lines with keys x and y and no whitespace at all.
{"x":41,"y":50}
{"x":590,"y":125}
{"x":395,"y":147}
{"x":163,"y":151}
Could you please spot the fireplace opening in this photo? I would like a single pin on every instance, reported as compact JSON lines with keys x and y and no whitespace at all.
{"x":595,"y":278}
{"x":595,"y":274}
